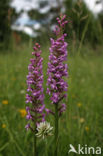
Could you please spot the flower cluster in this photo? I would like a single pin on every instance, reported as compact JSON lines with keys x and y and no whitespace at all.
{"x":57,"y":69}
{"x":35,"y":96}
{"x":44,"y":129}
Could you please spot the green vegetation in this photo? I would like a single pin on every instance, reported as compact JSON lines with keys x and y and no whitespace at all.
{"x":82,"y":122}
{"x":84,"y":23}
{"x":5,"y":21}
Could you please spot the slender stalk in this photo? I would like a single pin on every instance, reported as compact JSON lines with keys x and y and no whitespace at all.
{"x":46,"y":150}
{"x":35,"y":152}
{"x":56,"y":129}
{"x":35,"y":140}
{"x":83,"y":34}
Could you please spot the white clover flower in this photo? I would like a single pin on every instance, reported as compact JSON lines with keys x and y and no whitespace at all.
{"x":44,"y":129}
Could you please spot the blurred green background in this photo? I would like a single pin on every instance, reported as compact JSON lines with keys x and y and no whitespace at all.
{"x":82,"y":123}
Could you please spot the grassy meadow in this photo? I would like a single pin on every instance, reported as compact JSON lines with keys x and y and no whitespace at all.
{"x":82,"y":123}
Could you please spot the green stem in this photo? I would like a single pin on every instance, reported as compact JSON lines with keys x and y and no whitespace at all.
{"x":46,"y":150}
{"x":35,"y":140}
{"x":56,"y":129}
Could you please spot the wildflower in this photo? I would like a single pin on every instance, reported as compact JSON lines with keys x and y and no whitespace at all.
{"x":27,"y":127}
{"x":79,"y":104}
{"x":87,"y":128}
{"x":57,"y":72}
{"x":57,"y":69}
{"x":3,"y":125}
{"x":22,"y":91}
{"x":82,"y":120}
{"x":44,"y":129}
{"x":35,"y":96}
{"x":5,"y":102}
{"x":22,"y":112}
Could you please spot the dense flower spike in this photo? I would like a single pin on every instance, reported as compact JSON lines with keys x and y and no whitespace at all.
{"x":35,"y":96}
{"x":57,"y":69}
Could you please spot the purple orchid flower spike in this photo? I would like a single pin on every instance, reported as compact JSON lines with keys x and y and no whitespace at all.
{"x":57,"y":72}
{"x":57,"y":69}
{"x":35,"y":96}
